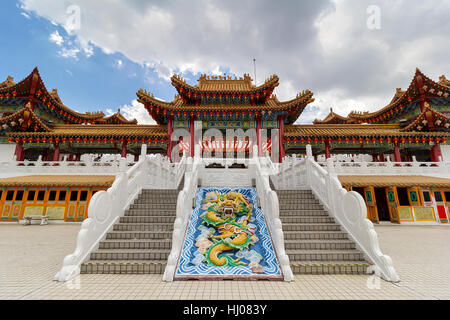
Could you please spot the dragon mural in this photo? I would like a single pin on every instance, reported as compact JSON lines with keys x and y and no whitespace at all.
{"x":228,"y":214}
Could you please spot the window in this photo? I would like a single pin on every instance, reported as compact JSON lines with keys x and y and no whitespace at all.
{"x":437,"y":196}
{"x":83,"y":195}
{"x":402,"y":197}
{"x":1,"y":193}
{"x":426,"y":196}
{"x":52,"y":195}
{"x":93,"y":192}
{"x":10,"y":195}
{"x":446,"y":193}
{"x":19,"y":195}
{"x":62,"y":196}
{"x":73,"y":195}
{"x":31,"y":194}
{"x":41,"y":195}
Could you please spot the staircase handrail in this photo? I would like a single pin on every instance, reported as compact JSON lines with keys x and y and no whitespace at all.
{"x":349,"y":210}
{"x":270,"y":208}
{"x":105,"y":209}
{"x":184,"y":210}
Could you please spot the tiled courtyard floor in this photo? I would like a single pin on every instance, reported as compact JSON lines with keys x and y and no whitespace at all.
{"x":30,"y":256}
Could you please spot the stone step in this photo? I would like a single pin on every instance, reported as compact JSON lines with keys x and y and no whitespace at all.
{"x":156,"y":206}
{"x":123,"y":267}
{"x":319,"y":245}
{"x":159,"y":192}
{"x":303,"y":212}
{"x":298,"y":201}
{"x":143,"y":227}
{"x":150,"y":212}
{"x":294,"y":192}
{"x":130,"y":254}
{"x":314,"y":235}
{"x":329,"y":267}
{"x":147,"y":219}
{"x":131,"y":235}
{"x":155,"y":201}
{"x":284,"y":197}
{"x":290,"y":206}
{"x":136,"y":244}
{"x":306,"y":219}
{"x":311,"y":227}
{"x":325,"y":255}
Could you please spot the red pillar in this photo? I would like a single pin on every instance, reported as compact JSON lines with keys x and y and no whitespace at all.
{"x":70,"y":157}
{"x":436,"y":152}
{"x":191,"y":133}
{"x":124,"y":149}
{"x":382,"y":157}
{"x":56,"y":152}
{"x":397,"y":155}
{"x":169,"y":137}
{"x":327,"y":150}
{"x":258,"y":135}
{"x":136,"y":157}
{"x":281,"y":137}
{"x":78,"y":157}
{"x":20,"y":151}
{"x":374,"y":158}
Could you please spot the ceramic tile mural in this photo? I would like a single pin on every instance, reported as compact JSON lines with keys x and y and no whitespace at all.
{"x":227,"y":236}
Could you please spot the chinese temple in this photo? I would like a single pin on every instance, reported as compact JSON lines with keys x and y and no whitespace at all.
{"x":413,"y":126}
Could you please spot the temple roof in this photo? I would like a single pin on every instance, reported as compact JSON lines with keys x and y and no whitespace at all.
{"x":224,"y":84}
{"x":420,"y":88}
{"x":58,"y":181}
{"x":116,"y":118}
{"x":98,"y":130}
{"x":33,"y":89}
{"x":429,"y":120}
{"x":393,"y":181}
{"x":332,"y":118}
{"x":228,"y":96}
{"x":23,"y":119}
{"x":353,"y":130}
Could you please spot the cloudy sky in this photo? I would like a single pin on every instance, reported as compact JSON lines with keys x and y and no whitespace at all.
{"x":351,"y":54}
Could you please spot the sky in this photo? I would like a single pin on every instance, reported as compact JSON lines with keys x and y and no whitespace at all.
{"x":351,"y":54}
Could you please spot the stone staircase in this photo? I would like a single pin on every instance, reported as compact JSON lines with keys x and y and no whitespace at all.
{"x":314,"y":243}
{"x":141,"y":241}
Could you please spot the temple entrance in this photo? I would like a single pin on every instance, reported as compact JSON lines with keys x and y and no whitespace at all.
{"x":382,"y":205}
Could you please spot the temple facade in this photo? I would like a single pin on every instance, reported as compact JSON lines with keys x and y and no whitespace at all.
{"x":412,"y":127}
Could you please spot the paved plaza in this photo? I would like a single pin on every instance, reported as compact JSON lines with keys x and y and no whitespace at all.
{"x":31,"y":255}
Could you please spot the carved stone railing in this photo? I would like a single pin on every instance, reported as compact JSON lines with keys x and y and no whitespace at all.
{"x":106,"y":207}
{"x":347,"y":208}
{"x":268,"y":200}
{"x":184,"y":210}
{"x":440,"y":169}
{"x":85,"y":167}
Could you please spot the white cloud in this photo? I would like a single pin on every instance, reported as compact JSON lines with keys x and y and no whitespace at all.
{"x":56,"y":38}
{"x":69,"y":53}
{"x":321,"y":45}
{"x":135,"y":110}
{"x":118,"y":64}
{"x":25,"y":15}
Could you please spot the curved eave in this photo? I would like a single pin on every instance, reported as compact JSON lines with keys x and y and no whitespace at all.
{"x":33,"y":87}
{"x":440,"y":121}
{"x":354,"y":131}
{"x":32,"y":119}
{"x":179,"y":83}
{"x":430,"y":88}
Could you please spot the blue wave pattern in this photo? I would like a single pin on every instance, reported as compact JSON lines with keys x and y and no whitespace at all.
{"x":264,"y":246}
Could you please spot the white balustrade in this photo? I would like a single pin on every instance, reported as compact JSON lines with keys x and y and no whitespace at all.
{"x":106,"y":207}
{"x":347,"y":208}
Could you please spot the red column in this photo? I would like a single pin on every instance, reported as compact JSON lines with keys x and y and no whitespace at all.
{"x":258,"y":135}
{"x":124,"y":149}
{"x":374,"y":158}
{"x":78,"y":157}
{"x":436,"y":152}
{"x":136,"y":157}
{"x":169,"y":137}
{"x":397,"y":155}
{"x":281,"y":137}
{"x":191,"y":133}
{"x":70,"y":157}
{"x":327,"y":150}
{"x":56,"y":153}
{"x":382,"y":157}
{"x":20,"y":151}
